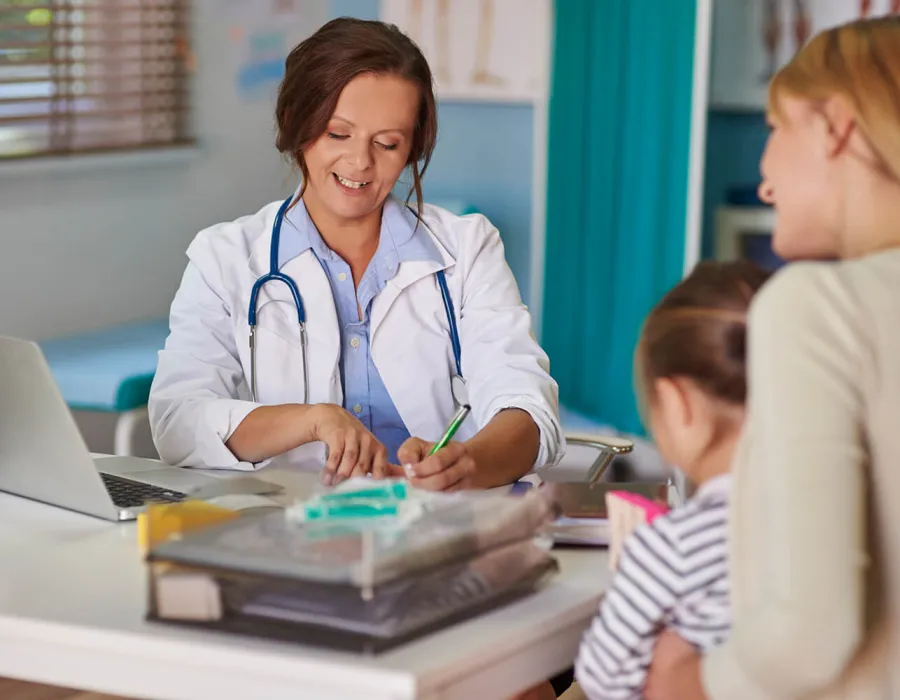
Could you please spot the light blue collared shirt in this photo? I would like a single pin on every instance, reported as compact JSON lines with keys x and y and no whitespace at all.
{"x":365,"y":395}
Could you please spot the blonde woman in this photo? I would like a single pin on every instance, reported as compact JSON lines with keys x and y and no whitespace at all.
{"x":815,"y":529}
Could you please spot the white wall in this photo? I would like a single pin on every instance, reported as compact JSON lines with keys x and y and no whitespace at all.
{"x":87,"y":247}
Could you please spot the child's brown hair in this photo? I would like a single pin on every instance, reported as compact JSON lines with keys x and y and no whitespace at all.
{"x":699,"y":331}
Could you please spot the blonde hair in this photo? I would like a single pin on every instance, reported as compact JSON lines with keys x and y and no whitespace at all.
{"x":861,"y":62}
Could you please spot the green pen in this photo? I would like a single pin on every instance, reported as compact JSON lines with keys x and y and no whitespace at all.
{"x":457,"y":421}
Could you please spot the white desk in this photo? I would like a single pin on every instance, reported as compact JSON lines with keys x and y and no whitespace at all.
{"x":73,"y":598}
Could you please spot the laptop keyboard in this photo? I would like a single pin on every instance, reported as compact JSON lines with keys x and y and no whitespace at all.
{"x":126,"y":493}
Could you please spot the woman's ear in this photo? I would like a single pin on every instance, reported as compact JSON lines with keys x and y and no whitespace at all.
{"x":840,"y":123}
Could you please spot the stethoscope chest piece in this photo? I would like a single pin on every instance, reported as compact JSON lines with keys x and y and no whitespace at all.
{"x":460,"y":391}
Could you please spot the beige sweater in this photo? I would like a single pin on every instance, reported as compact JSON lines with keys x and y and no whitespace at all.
{"x":815,"y":525}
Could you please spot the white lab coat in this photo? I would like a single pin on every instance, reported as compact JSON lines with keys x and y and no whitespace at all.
{"x":200,"y":392}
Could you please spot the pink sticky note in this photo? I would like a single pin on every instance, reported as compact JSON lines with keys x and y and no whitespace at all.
{"x":652,"y":509}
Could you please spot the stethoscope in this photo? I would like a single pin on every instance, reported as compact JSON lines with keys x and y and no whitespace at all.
{"x":457,"y":383}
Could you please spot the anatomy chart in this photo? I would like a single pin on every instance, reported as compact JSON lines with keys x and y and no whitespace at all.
{"x":261,"y":34}
{"x":753,"y":38}
{"x":480,"y":49}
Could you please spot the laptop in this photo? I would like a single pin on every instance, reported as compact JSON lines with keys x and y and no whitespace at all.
{"x":44,"y":457}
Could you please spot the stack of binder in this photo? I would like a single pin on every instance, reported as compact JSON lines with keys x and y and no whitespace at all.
{"x":355,"y":585}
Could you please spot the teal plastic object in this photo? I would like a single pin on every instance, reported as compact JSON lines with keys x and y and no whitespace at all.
{"x":359,"y":499}
{"x":390,"y":490}
{"x":350,"y":510}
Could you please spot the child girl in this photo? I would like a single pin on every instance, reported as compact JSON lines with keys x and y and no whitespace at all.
{"x":690,"y":375}
{"x":673,"y":572}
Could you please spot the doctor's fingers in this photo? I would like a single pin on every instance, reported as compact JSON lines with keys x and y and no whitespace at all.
{"x":335,"y":445}
{"x":436,"y":474}
{"x":455,"y":478}
{"x":391,"y":471}
{"x":413,"y":451}
{"x":369,"y":448}
{"x":381,"y":468}
{"x":440,"y":461}
{"x":352,"y":451}
{"x":343,"y":447}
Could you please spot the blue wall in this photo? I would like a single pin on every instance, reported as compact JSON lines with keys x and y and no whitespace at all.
{"x":484,"y":156}
{"x":734,"y":145}
{"x":364,"y":9}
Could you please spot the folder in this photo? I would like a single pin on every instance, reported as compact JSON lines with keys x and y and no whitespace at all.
{"x":342,"y":616}
{"x":361,"y":586}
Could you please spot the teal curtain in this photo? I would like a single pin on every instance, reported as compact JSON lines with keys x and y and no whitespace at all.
{"x":619,"y":132}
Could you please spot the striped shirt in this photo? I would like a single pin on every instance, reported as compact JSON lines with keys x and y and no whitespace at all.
{"x":673,"y":573}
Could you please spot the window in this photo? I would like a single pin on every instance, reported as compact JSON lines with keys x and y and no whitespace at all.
{"x":85,"y":76}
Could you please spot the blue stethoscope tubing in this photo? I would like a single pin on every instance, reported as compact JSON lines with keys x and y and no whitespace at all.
{"x":274,"y":275}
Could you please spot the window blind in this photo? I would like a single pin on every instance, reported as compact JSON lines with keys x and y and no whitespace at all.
{"x":82,"y":76}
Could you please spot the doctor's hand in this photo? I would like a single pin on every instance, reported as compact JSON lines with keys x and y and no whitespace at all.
{"x":352,"y":450}
{"x":449,"y":469}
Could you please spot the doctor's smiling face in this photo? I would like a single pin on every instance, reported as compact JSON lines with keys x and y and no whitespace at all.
{"x":356,"y":107}
{"x":355,"y":163}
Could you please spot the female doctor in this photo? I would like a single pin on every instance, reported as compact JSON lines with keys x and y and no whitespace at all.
{"x":373,"y":321}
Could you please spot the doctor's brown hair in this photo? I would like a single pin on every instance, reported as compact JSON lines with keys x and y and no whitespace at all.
{"x":699,"y":331}
{"x":320,"y":67}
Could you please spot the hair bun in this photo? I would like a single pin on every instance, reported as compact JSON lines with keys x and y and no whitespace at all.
{"x":735,"y":345}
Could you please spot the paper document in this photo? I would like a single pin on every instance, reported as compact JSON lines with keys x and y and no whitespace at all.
{"x":583,"y":531}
